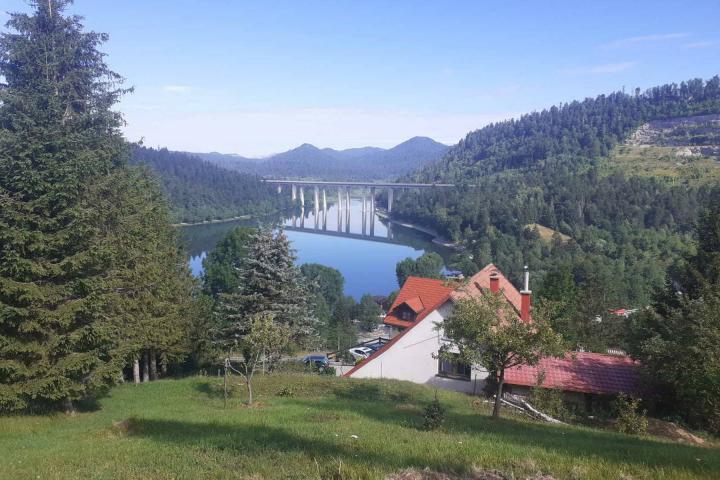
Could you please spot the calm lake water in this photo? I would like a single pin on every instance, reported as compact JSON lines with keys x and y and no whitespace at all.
{"x":367,"y":262}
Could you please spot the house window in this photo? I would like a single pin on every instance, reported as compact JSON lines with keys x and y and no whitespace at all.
{"x":453,"y":368}
{"x":407,"y":315}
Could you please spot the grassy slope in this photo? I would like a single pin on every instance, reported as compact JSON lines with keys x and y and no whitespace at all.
{"x":663,"y":162}
{"x":180,"y":430}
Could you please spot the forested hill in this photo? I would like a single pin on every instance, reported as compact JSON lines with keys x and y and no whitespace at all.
{"x":367,"y":163}
{"x":198,"y":190}
{"x":557,"y":168}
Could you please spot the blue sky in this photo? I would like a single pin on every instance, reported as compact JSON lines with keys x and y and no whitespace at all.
{"x":256,"y":78}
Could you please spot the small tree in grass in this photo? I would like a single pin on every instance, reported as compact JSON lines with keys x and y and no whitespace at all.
{"x":261,"y":337}
{"x":488,"y":331}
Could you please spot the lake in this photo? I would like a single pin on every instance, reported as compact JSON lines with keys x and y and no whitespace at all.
{"x":364,"y":252}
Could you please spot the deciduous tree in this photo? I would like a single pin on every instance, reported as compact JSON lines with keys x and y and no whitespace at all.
{"x":487,"y":331}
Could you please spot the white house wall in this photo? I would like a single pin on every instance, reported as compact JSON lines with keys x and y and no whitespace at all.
{"x":413,"y":357}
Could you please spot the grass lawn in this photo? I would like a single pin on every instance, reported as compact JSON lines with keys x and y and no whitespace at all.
{"x":179,"y":429}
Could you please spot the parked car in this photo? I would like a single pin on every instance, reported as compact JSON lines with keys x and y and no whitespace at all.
{"x":360,"y":353}
{"x":317,"y":361}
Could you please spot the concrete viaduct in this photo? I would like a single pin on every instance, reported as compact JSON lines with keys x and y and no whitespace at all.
{"x":297,"y":188}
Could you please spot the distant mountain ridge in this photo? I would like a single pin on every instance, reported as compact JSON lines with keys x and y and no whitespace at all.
{"x":364,"y":163}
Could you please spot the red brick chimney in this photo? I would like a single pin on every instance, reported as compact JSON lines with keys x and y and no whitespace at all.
{"x":525,"y":295}
{"x":494,"y":282}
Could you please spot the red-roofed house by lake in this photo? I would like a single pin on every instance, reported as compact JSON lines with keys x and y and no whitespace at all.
{"x":412,"y":354}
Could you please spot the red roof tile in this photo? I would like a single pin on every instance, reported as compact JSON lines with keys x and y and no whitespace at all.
{"x":432,"y":293}
{"x":480,"y":282}
{"x":426,"y":293}
{"x":580,"y":372}
{"x":415,"y":304}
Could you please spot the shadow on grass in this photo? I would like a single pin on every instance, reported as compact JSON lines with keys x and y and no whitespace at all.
{"x":211,"y":390}
{"x":573,"y":442}
{"x":263,"y":443}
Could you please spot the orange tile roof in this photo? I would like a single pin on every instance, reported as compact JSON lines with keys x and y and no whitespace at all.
{"x":481,"y":282}
{"x":415,"y":304}
{"x":431,"y":292}
{"x":426,"y":293}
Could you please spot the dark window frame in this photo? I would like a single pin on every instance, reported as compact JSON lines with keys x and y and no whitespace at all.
{"x":457,"y":371}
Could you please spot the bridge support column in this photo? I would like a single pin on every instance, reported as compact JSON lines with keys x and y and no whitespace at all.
{"x":347,"y":202}
{"x":339,"y":210}
{"x":390,"y":199}
{"x":324,"y":201}
{"x":293,"y":188}
{"x":302,"y":198}
{"x":279,"y":189}
{"x":316,"y":200}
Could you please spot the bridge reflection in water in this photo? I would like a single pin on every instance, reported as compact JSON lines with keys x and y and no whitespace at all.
{"x":357,"y":219}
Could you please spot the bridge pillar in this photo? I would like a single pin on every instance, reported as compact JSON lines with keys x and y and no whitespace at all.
{"x":390,"y":199}
{"x":316,"y":200}
{"x":324,"y":201}
{"x":293,"y":188}
{"x":347,"y":208}
{"x":279,"y":188}
{"x":302,"y":198}
{"x":339,"y":209}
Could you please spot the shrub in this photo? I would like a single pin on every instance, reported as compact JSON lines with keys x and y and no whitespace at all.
{"x":434,"y":415}
{"x":629,"y":417}
{"x":550,"y":402}
{"x":286,"y":392}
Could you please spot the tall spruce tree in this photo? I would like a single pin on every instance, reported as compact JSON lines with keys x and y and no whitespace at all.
{"x":270,"y":284}
{"x":58,"y":136}
{"x":151,"y":291}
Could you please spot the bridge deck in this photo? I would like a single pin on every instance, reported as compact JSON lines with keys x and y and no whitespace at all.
{"x":320,"y":183}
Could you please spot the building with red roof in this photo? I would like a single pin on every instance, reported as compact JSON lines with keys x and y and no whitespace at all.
{"x":582,"y":376}
{"x":412,"y":354}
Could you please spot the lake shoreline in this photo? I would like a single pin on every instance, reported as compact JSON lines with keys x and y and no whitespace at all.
{"x":437,"y":239}
{"x":210,"y":222}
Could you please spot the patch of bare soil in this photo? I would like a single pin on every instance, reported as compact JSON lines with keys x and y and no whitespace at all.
{"x":125,"y":427}
{"x":671,"y":430}
{"x":479,"y":474}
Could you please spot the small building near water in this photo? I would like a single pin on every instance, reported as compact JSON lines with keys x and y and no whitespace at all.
{"x":412,"y":354}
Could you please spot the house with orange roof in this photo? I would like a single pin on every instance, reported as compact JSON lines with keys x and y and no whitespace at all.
{"x":415,"y":315}
{"x":412,"y":354}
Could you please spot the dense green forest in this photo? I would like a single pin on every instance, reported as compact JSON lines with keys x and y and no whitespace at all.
{"x":93,"y":285}
{"x":199,"y":191}
{"x":365,"y":163}
{"x":550,"y":168}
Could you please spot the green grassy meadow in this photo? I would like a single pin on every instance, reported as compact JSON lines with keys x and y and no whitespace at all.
{"x":303,"y":428}
{"x":662,"y":162}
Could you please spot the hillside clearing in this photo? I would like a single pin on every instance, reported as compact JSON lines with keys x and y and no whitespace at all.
{"x":547,"y":233}
{"x":318,"y":427}
{"x":670,"y":163}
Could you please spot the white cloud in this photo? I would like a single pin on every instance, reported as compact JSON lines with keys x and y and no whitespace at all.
{"x":702,"y":44}
{"x":260,"y":133}
{"x":176,"y":88}
{"x":600,"y":69}
{"x":664,"y":37}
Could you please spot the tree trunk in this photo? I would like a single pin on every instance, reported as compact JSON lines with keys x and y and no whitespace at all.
{"x":249,"y":389}
{"x":498,"y":394}
{"x":163,"y":365}
{"x":146,"y":367}
{"x":136,"y":369}
{"x":68,"y":406}
{"x":153,"y":365}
